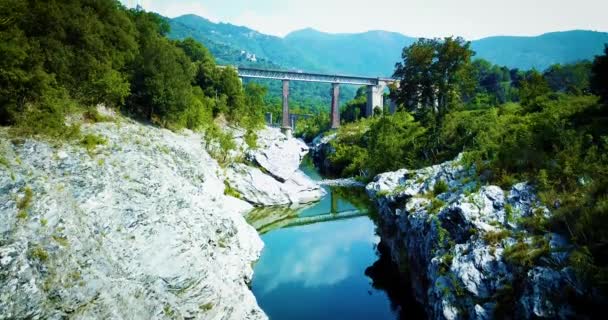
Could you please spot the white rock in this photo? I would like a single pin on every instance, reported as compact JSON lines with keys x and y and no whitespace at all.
{"x":278,"y":155}
{"x":261,"y":189}
{"x":139,"y":230}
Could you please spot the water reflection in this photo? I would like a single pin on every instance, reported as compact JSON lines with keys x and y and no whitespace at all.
{"x":385,"y":276}
{"x":322,"y":270}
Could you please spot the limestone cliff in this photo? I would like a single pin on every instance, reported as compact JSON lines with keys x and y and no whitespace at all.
{"x":137,"y":227}
{"x":466,"y":247}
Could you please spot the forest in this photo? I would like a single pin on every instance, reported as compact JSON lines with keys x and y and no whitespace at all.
{"x":549,"y":128}
{"x":63,"y":57}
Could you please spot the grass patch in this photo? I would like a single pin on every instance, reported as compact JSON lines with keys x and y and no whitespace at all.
{"x":93,"y":116}
{"x":526,"y":255}
{"x":509,"y":212}
{"x":206,"y":307}
{"x":435,"y":205}
{"x":494,"y":237}
{"x":38,"y":253}
{"x":62,"y":241}
{"x":4,"y":162}
{"x":446,"y":263}
{"x":91,"y":141}
{"x":230,"y":191}
{"x":251,"y":139}
{"x":24,"y":203}
{"x":440,"y":187}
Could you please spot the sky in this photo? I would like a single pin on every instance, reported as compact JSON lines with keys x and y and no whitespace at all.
{"x":472,"y":19}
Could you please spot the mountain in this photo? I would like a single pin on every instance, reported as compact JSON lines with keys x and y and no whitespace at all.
{"x":224,"y":36}
{"x":541,"y":51}
{"x":373,"y":53}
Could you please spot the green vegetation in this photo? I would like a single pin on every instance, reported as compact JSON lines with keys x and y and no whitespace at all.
{"x":309,"y":128}
{"x":440,"y":187}
{"x":4,"y":162}
{"x":435,"y":205}
{"x":39,"y":254}
{"x":526,"y":254}
{"x":94,"y":116}
{"x":230,"y":191}
{"x":494,"y":237}
{"x":376,"y":145}
{"x":91,"y":141}
{"x":207,"y":306}
{"x":60,"y":58}
{"x":547,"y":128}
{"x":24,"y":203}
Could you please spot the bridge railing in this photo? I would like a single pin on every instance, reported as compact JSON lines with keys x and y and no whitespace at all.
{"x":306,"y":76}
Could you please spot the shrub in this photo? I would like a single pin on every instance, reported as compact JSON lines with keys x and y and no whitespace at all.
{"x":230,"y":191}
{"x":440,"y":187}
{"x":526,"y":255}
{"x":39,"y":254}
{"x":435,"y":205}
{"x":91,"y":141}
{"x":494,"y":237}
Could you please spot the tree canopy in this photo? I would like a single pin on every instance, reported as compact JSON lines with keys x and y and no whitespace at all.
{"x":61,"y":56}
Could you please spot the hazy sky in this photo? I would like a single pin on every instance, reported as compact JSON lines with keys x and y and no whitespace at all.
{"x":472,"y":19}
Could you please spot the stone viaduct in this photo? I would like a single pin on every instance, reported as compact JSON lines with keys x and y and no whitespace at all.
{"x":375,"y":89}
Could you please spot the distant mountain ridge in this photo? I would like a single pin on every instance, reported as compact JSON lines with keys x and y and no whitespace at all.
{"x":373,"y":53}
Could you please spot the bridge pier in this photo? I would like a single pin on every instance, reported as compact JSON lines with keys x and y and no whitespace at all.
{"x":335,"y":105}
{"x":286,"y":123}
{"x":375,"y":98}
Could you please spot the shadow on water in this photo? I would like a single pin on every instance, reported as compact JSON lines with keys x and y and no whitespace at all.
{"x":322,"y":261}
{"x":386,"y":276}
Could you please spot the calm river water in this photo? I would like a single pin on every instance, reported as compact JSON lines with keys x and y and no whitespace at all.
{"x":317,"y":270}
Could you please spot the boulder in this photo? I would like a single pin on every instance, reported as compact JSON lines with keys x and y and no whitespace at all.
{"x":279,"y":155}
{"x":264,"y":190}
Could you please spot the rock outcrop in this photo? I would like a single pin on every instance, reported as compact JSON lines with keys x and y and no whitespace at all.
{"x":263,"y":190}
{"x":321,"y":149}
{"x":135,"y":228}
{"x":465,"y":246}
{"x":273,"y":177}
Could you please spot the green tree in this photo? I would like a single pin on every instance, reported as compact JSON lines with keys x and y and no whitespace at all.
{"x":599,"y":79}
{"x":416,"y":75}
{"x":435,"y":74}
{"x":533,"y":88}
{"x":163,"y":74}
{"x":571,"y":78}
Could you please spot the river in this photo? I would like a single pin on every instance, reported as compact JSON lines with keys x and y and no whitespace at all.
{"x":318,"y":260}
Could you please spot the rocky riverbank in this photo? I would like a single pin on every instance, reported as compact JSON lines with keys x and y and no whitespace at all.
{"x":469,"y":249}
{"x":136,"y":224}
{"x":466,"y":247}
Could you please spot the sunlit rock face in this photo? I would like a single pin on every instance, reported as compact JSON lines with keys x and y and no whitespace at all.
{"x":279,"y":155}
{"x":273,"y":177}
{"x":137,"y":228}
{"x":456,"y":245}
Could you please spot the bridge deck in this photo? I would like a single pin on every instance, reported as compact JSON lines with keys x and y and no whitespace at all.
{"x":309,"y":77}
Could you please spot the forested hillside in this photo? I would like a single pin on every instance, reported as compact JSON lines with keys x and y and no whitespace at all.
{"x":542,"y":51}
{"x":59,"y":58}
{"x":375,"y":53}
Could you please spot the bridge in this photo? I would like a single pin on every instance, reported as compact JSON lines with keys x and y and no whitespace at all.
{"x":375,"y":89}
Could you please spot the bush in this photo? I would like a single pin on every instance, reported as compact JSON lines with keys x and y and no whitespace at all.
{"x":440,"y":187}
{"x":372,"y":146}
{"x":91,"y":141}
